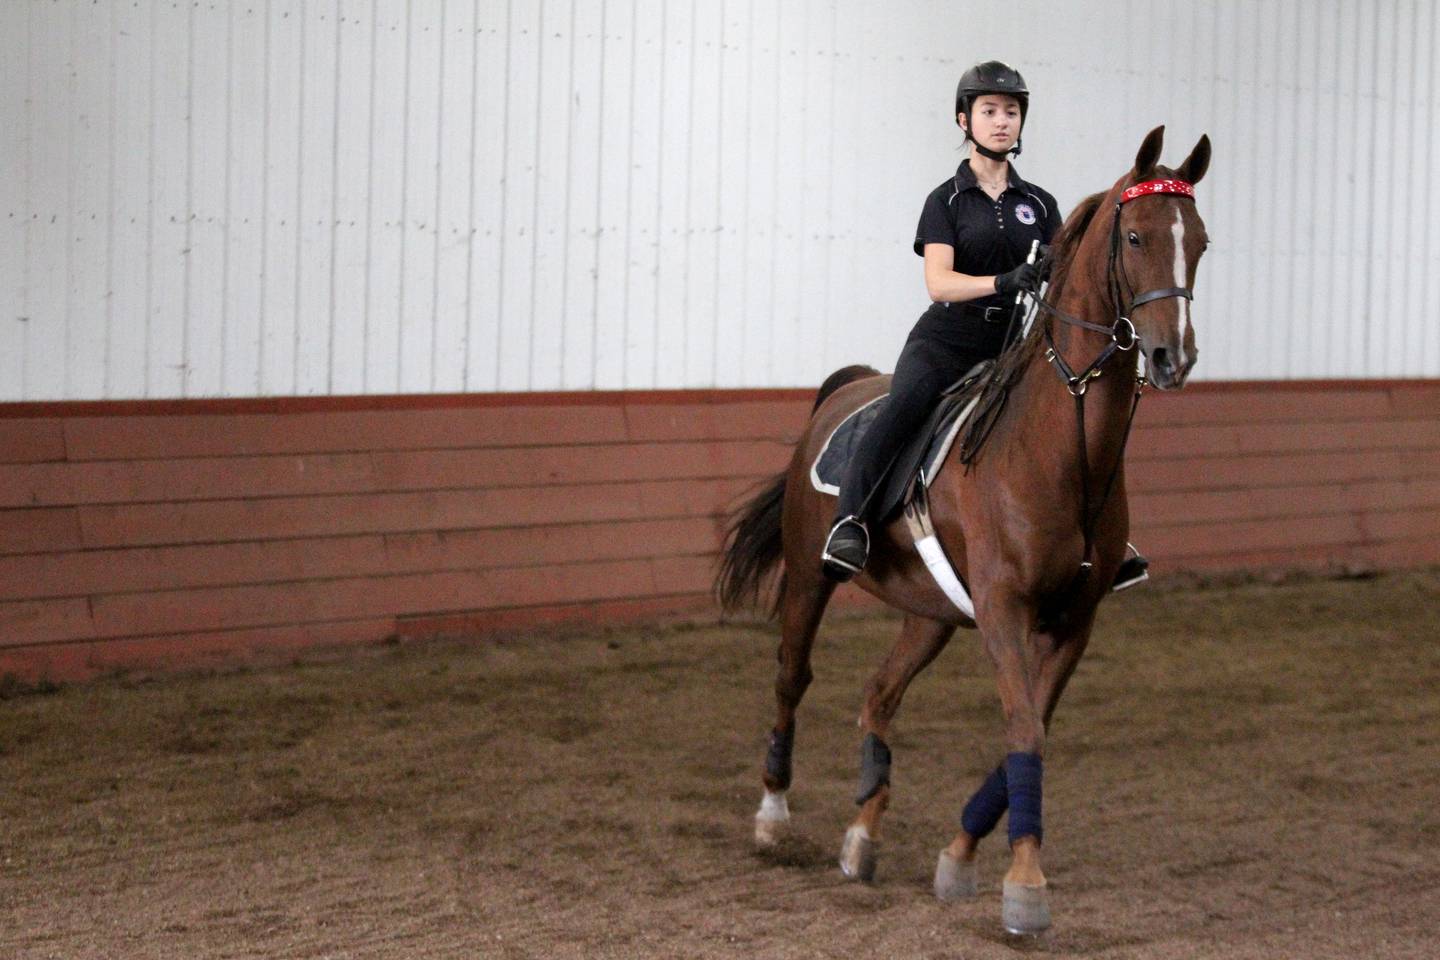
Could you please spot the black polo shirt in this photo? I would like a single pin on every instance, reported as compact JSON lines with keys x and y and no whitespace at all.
{"x":989,"y":237}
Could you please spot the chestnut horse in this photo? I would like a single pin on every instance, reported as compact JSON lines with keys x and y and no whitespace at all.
{"x":1036,"y":525}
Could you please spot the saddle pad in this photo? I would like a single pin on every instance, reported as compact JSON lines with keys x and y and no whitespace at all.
{"x":922,"y":454}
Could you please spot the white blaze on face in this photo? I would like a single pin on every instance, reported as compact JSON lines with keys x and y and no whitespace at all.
{"x":1177,"y":230}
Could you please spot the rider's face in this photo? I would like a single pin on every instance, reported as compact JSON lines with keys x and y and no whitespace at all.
{"x":996,"y":120}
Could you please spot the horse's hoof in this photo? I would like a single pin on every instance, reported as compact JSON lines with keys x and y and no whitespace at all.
{"x":769,"y":832}
{"x":1025,"y":911}
{"x":954,"y":879}
{"x":772,"y":820}
{"x":857,"y":855}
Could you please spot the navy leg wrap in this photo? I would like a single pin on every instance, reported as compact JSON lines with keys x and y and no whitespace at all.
{"x":874,"y":767}
{"x":1023,"y":775}
{"x":987,"y":806}
{"x":777,"y":759}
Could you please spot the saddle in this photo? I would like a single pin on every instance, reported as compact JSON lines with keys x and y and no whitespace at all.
{"x":919,"y":459}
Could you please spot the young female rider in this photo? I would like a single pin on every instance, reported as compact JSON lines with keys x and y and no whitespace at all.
{"x":975,"y":234}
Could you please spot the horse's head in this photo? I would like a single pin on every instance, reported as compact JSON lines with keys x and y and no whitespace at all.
{"x":1156,"y":243}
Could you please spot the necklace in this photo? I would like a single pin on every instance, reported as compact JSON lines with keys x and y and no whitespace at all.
{"x":994,"y":183}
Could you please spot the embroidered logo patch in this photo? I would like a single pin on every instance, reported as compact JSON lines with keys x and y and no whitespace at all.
{"x":1025,"y":213}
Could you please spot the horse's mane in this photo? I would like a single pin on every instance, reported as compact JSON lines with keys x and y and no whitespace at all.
{"x":1067,"y":240}
{"x":990,"y":391}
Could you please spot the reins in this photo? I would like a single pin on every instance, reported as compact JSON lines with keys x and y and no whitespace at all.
{"x":1123,"y":337}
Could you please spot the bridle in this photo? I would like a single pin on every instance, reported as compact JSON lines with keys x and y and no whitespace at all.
{"x":1122,"y":331}
{"x":1123,"y":337}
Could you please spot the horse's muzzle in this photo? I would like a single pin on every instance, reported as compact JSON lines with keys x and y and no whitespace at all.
{"x":1168,"y":368}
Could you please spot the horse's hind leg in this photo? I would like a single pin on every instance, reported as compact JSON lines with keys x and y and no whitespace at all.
{"x":801,"y":607}
{"x":920,"y":642}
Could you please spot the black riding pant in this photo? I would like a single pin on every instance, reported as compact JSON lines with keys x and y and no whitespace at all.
{"x":926,"y":367}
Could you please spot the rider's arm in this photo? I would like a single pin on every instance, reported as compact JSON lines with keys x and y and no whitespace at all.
{"x":945,"y":285}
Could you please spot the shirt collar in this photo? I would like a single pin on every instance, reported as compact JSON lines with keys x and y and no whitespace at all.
{"x":965,"y":177}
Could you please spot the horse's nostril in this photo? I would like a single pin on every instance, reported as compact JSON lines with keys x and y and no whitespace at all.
{"x":1160,"y":358}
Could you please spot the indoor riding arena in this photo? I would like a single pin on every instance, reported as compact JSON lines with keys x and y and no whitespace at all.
{"x":389,"y":390}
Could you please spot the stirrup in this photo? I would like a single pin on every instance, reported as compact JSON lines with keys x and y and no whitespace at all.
{"x":839,"y":568}
{"x":1133,"y":570}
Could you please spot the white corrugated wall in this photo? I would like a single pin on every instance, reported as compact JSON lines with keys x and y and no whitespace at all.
{"x":277,"y":197}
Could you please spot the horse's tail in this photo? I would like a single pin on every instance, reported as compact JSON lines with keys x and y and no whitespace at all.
{"x":838,"y":379}
{"x":752,"y":548}
{"x":753,"y":542}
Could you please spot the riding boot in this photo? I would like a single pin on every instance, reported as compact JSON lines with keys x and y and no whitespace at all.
{"x":925,"y":368}
{"x":846,"y":549}
{"x":1132,"y":570}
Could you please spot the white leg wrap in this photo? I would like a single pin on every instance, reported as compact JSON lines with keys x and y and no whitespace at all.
{"x":773,"y":806}
{"x":771,"y":819}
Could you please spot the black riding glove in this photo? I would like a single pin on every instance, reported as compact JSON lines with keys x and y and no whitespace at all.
{"x":1024,"y":277}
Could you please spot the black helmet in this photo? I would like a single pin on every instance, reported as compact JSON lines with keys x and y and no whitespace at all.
{"x":992,"y":76}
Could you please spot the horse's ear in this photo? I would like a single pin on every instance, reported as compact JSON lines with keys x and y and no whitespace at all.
{"x":1197,"y":163}
{"x":1149,"y":154}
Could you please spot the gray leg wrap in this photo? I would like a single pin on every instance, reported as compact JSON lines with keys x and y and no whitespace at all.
{"x":874,"y":767}
{"x":777,"y":760}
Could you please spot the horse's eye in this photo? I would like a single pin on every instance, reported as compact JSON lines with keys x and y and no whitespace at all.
{"x":1134,"y":239}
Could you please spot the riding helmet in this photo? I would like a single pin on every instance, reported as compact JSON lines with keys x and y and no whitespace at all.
{"x":991,"y":76}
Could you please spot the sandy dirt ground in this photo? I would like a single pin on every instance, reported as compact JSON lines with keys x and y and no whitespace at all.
{"x":1238,"y":770}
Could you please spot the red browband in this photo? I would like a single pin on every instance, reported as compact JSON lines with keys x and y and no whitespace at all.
{"x":1178,"y":187}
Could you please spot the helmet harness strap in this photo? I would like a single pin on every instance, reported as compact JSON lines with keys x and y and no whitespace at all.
{"x":985,"y":151}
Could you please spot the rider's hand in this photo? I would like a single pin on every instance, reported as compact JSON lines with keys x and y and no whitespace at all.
{"x":1024,"y":277}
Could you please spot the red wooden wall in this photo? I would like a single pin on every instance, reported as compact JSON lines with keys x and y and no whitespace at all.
{"x":175,"y":532}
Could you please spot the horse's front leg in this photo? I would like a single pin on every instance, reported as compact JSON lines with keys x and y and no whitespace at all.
{"x":920,"y":642}
{"x":1031,"y":668}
